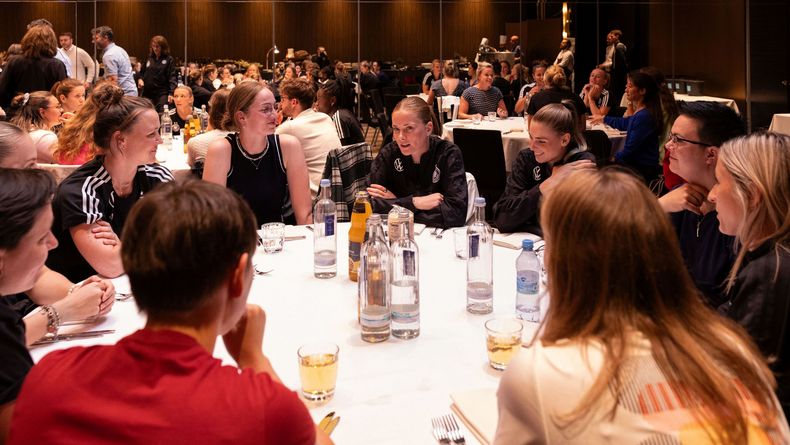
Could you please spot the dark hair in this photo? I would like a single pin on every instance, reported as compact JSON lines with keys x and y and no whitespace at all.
{"x":195,"y":74}
{"x":23,"y":194}
{"x":617,"y":33}
{"x":40,"y":22}
{"x":163,"y":45}
{"x":218,"y":104}
{"x":208,"y":69}
{"x":652,"y":101}
{"x":39,"y":41}
{"x":420,"y":108}
{"x":497,"y":67}
{"x":103,"y":31}
{"x":669,"y":106}
{"x":116,"y":113}
{"x":25,"y":109}
{"x":299,"y":89}
{"x":215,"y":227}
{"x":717,"y":123}
{"x":67,"y":34}
{"x":333,"y":89}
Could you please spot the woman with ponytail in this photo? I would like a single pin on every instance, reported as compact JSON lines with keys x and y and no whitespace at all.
{"x":555,"y":92}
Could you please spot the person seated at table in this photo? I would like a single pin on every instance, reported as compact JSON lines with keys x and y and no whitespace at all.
{"x":482,"y":98}
{"x":268,"y":170}
{"x":198,"y":145}
{"x":557,"y":149}
{"x":669,"y":112}
{"x":472,"y":73}
{"x":640,"y":152}
{"x":346,"y":124}
{"x":37,"y":113}
{"x":595,"y":95}
{"x":227,"y":78}
{"x":628,"y":352}
{"x":693,"y":152}
{"x":527,"y":91}
{"x":314,"y":130}
{"x":505,"y":70}
{"x":184,"y":107}
{"x":449,"y":84}
{"x":500,"y":81}
{"x":211,"y":81}
{"x":200,"y":94}
{"x":381,"y":76}
{"x":518,"y":78}
{"x":418,"y":170}
{"x":100,"y":193}
{"x":135,"y":391}
{"x":366,"y":79}
{"x":71,"y":95}
{"x":432,"y":76}
{"x":253,"y":72}
{"x":75,"y":139}
{"x":752,"y":198}
{"x":555,"y":92}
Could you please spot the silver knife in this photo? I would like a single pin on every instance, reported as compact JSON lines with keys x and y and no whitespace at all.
{"x":73,"y":336}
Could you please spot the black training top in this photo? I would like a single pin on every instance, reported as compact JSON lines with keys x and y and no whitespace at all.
{"x":16,"y":360}
{"x":260,"y":178}
{"x":87,"y":196}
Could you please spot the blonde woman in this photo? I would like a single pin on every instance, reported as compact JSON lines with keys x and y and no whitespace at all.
{"x":37,"y":113}
{"x":629,"y":353}
{"x":752,"y":198}
{"x":184,"y":107}
{"x":483,"y":97}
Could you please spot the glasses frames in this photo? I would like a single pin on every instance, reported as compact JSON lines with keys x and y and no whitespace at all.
{"x":675,"y":139}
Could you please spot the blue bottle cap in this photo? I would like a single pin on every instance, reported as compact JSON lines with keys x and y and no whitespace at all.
{"x":527,"y":244}
{"x":480,"y":200}
{"x":325,"y":183}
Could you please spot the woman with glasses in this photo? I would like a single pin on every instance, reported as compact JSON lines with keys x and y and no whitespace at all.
{"x":37,"y":113}
{"x":752,"y":198}
{"x":418,"y":170}
{"x":269,"y":171}
{"x":628,"y":352}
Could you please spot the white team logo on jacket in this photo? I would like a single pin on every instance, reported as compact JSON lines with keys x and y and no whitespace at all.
{"x":398,"y":165}
{"x":436,"y":174}
{"x":536,"y":173}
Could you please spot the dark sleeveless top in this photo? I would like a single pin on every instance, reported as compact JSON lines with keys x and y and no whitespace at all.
{"x":260,"y":179}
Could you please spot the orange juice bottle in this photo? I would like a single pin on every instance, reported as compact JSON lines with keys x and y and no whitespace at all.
{"x":357,"y":233}
{"x":186,"y":130}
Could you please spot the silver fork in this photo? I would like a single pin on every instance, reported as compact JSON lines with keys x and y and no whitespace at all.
{"x":453,"y":430}
{"x":439,"y":430}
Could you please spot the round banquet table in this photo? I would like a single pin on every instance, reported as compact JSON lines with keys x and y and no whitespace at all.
{"x":386,"y":393}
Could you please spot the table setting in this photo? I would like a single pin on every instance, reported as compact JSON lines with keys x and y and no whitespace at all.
{"x":388,"y":392}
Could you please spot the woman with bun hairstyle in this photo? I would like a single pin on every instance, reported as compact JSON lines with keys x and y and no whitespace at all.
{"x":101,"y":192}
{"x":555,"y":92}
{"x":557,"y":148}
{"x":37,"y":113}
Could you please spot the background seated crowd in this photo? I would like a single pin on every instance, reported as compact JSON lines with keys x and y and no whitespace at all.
{"x":686,"y":287}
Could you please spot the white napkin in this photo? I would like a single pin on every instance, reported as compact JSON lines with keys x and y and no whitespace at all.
{"x":477,"y":409}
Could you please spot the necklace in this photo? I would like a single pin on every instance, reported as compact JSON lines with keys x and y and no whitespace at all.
{"x":256,"y":159}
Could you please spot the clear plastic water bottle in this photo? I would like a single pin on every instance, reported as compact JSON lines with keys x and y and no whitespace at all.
{"x":374,"y":284}
{"x":324,"y":234}
{"x":405,"y":282}
{"x":480,"y":264}
{"x":203,"y":119}
{"x":166,"y":129}
{"x":528,"y":283}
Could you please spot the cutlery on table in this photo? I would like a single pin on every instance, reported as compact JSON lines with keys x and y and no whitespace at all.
{"x":262,"y":271}
{"x":446,"y":429}
{"x":439,"y":431}
{"x":72,"y":336}
{"x":328,"y":423}
{"x":122,"y":296}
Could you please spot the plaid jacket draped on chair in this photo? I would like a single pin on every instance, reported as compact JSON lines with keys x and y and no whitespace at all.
{"x":348,"y":168}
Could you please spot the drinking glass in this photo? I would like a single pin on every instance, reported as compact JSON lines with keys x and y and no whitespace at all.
{"x":273,"y":237}
{"x":503,"y":339}
{"x":477,"y":118}
{"x":318,"y":370}
{"x":492,"y":116}
{"x":461,"y":242}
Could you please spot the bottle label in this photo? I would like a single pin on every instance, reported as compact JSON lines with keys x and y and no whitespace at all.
{"x":409,"y":263}
{"x":474,"y":243}
{"x":353,"y":250}
{"x":329,"y":225}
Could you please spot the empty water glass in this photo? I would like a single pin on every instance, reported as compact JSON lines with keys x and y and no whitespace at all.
{"x":461,"y":242}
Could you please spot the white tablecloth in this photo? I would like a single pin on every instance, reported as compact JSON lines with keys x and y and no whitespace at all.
{"x":386,"y":393}
{"x":686,"y":98}
{"x":780,"y":123}
{"x":515,"y":137}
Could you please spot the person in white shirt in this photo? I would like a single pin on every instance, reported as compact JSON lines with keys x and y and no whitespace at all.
{"x":315,"y":130}
{"x":82,"y":65}
{"x":198,"y":145}
{"x":629,"y":352}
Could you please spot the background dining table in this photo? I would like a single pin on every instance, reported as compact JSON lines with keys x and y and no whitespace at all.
{"x":388,"y":392}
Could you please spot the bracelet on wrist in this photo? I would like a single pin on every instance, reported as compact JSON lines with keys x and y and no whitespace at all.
{"x":53,"y":320}
{"x":71,"y":289}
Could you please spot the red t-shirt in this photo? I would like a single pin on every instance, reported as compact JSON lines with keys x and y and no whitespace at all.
{"x":154,"y":387}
